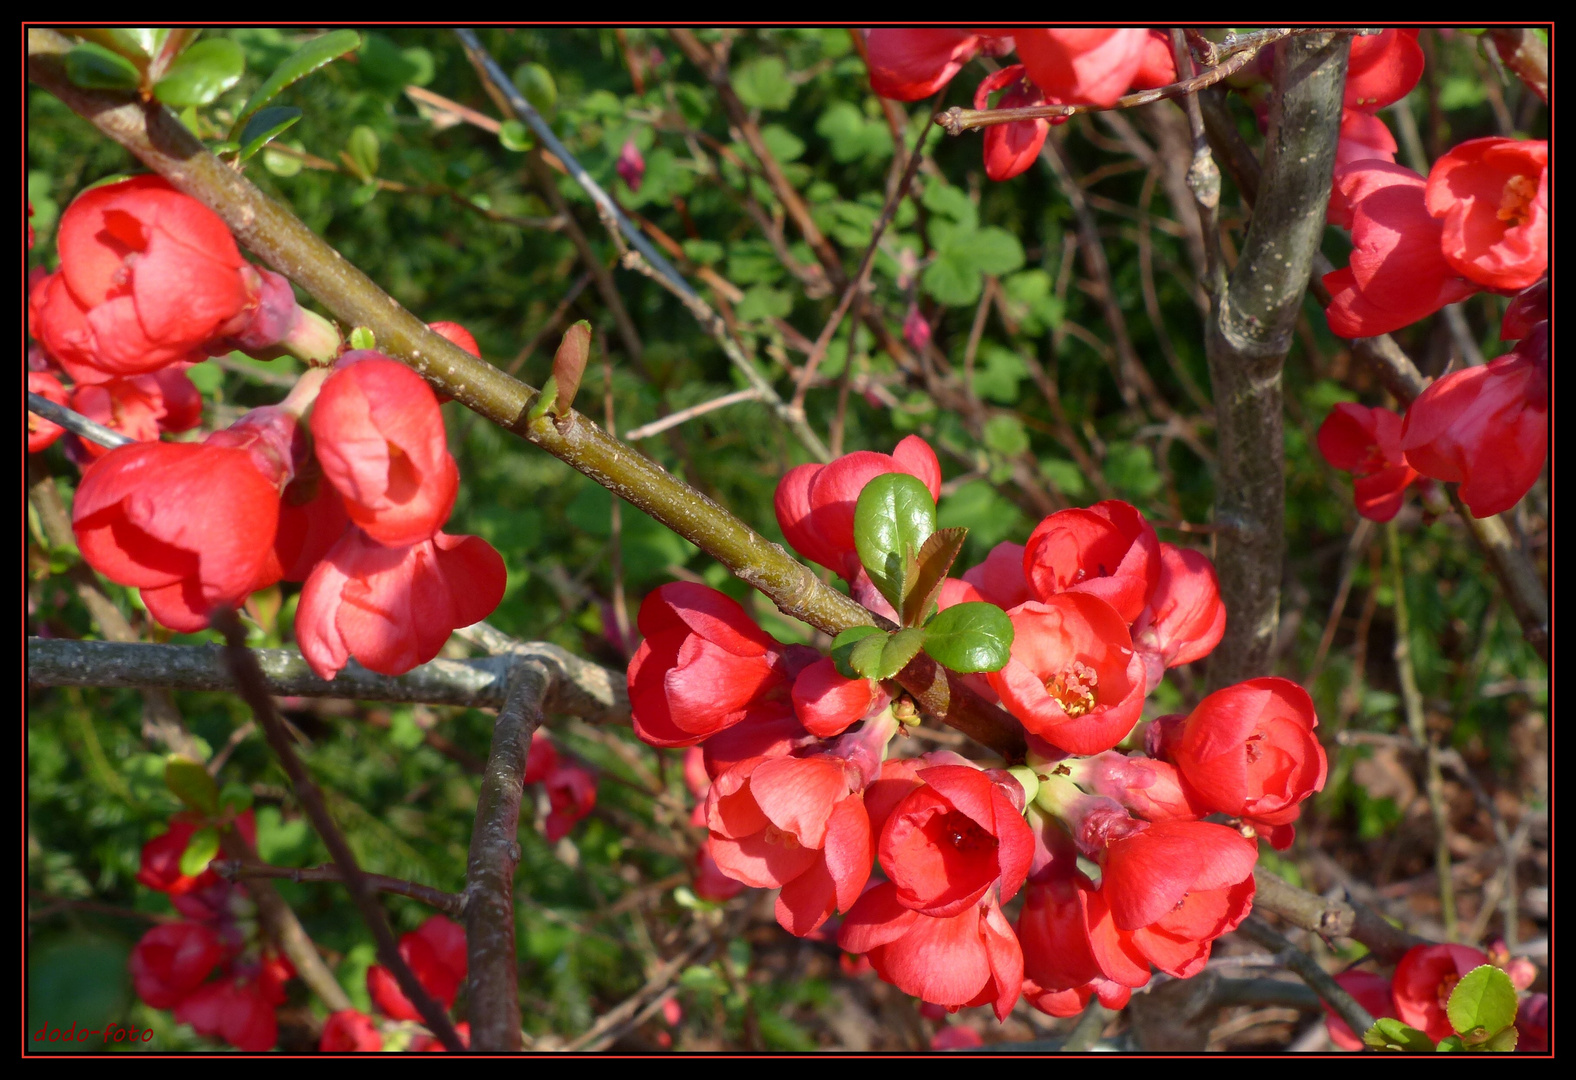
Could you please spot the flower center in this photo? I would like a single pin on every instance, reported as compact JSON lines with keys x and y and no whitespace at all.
{"x":964,"y":834}
{"x":1447,"y":986}
{"x":1515,"y":202}
{"x":774,"y":835}
{"x":1073,"y":688}
{"x":1254,"y":750}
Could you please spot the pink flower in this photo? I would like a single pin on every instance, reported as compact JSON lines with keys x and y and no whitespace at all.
{"x":631,"y":165}
{"x":392,"y":608}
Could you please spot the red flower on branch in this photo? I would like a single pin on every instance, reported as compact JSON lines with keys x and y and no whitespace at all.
{"x":1493,"y":198}
{"x":1012,"y":148}
{"x":1367,"y":443}
{"x":350,"y":1031}
{"x":140,"y":406}
{"x":1087,"y":66}
{"x":41,"y":433}
{"x":1424,"y":979}
{"x":1382,"y":69}
{"x":827,"y":704}
{"x":1372,"y":993}
{"x":436,"y":955}
{"x":172,"y":960}
{"x":1184,"y":619}
{"x":1108,"y":551}
{"x":907,"y":64}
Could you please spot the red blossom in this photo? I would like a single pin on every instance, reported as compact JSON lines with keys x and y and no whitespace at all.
{"x":571,"y":795}
{"x":1485,"y":428}
{"x":1012,"y":148}
{"x":1493,"y":198}
{"x":711,"y":883}
{"x":41,"y":433}
{"x":1424,"y":979}
{"x":907,"y":64}
{"x":794,"y":824}
{"x":1382,"y":69}
{"x":350,"y":1031}
{"x":140,"y":406}
{"x":1372,"y":993}
{"x":1000,"y":578}
{"x":190,"y":525}
{"x":379,"y":438}
{"x":172,"y":960}
{"x":392,"y":608}
{"x":1085,"y":66}
{"x":1073,"y":677}
{"x":827,"y":704}
{"x":1367,"y":442}
{"x":237,"y":1010}
{"x":436,"y":955}
{"x":1108,"y":551}
{"x":1250,"y":750}
{"x":1184,"y":619}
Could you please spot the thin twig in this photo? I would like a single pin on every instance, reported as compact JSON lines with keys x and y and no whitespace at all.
{"x":657,"y":427}
{"x":75,"y":422}
{"x":451,"y":904}
{"x":1307,"y":968}
{"x":254,"y":690}
{"x":494,"y":855}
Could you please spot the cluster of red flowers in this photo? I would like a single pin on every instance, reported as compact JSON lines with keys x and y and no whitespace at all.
{"x":171,"y":965}
{"x":351,"y":503}
{"x":571,"y":790}
{"x":1057,"y":66}
{"x":800,"y":794}
{"x":1479,"y":221}
{"x":1420,"y":988}
{"x":436,"y":955}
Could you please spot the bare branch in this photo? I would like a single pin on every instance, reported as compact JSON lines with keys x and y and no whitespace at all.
{"x":75,"y":422}
{"x":239,"y":870}
{"x":1307,"y":968}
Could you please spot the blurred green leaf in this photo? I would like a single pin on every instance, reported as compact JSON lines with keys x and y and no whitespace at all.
{"x":200,"y":850}
{"x":191,"y":784}
{"x":763,"y":83}
{"x":308,"y":58}
{"x":93,"y":67}
{"x":201,"y":73}
{"x":266,"y":126}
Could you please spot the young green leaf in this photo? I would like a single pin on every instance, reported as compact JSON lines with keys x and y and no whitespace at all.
{"x":1502,"y":1042}
{"x":200,"y":850}
{"x":935,"y":558}
{"x":536,"y":83}
{"x":544,"y":400}
{"x":1391,"y":1035}
{"x":93,"y":67}
{"x":236,"y":796}
{"x":201,"y":73}
{"x":361,"y":337}
{"x":1482,"y":1004}
{"x":893,"y":510}
{"x":513,"y":135}
{"x":134,"y":43}
{"x":305,"y":60}
{"x":881,"y":656}
{"x":1451,"y":1044}
{"x":265,"y":127}
{"x":970,"y":637}
{"x":363,"y":151}
{"x":843,"y":646}
{"x":191,"y":784}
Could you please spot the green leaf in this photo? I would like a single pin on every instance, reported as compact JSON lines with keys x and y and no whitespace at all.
{"x":843,"y":647}
{"x":235,"y":796}
{"x":1391,"y":1035}
{"x":266,"y":126}
{"x":131,"y":42}
{"x":515,"y":136}
{"x":1451,"y":1044}
{"x":881,"y":656}
{"x":363,"y":150}
{"x":935,"y":558}
{"x":894,"y":516}
{"x":201,"y":73}
{"x":536,"y":83}
{"x":989,"y":250}
{"x":281,"y":164}
{"x":1502,"y":1042}
{"x":305,"y":60}
{"x":1482,"y":1004}
{"x":952,"y":281}
{"x":763,"y":83}
{"x":200,"y":850}
{"x":361,"y":337}
{"x":970,"y":637}
{"x":191,"y":784}
{"x":1005,"y":435}
{"x":93,"y":67}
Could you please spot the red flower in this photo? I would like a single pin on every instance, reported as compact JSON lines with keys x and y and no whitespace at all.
{"x":238,"y":1011}
{"x":392,"y":608}
{"x":542,"y":761}
{"x":1176,"y":886}
{"x":703,"y":666}
{"x":161,"y":857}
{"x":1108,"y":551}
{"x":1424,"y":980}
{"x":1250,"y":750}
{"x":1382,"y":69}
{"x":141,"y":406}
{"x":909,"y":64}
{"x":1398,"y":272}
{"x":1012,"y":148}
{"x":631,"y":165}
{"x":793,"y":824}
{"x":1372,"y":993}
{"x":42,"y":433}
{"x":1054,"y":933}
{"x":429,"y":1044}
{"x":1184,"y":619}
{"x":1364,"y":137}
{"x":436,"y":955}
{"x":952,"y":839}
{"x":1493,"y":195}
{"x":1159,"y":65}
{"x":1000,"y":579}
{"x":828,"y":704}
{"x":1067,"y":1003}
{"x":379,"y":438}
{"x":711,"y":883}
{"x":1526,"y":311}
{"x":1073,"y":678}
{"x":815,"y":503}
{"x":956,"y":1037}
{"x":1151,"y":789}
{"x":349,"y":1031}
{"x":189,"y":525}
{"x":571,"y":794}
{"x":971,"y":958}
{"x":457,"y":335}
{"x":1486,"y":427}
{"x":1085,"y":66}
{"x":153,"y":275}
{"x":1532,"y":1024}
{"x":172,"y":960}
{"x":312,"y":519}
{"x":1367,"y":442}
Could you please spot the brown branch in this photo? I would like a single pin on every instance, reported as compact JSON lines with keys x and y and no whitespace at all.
{"x":450,"y":904}
{"x":1248,"y":335}
{"x":489,"y":874}
{"x":157,"y":137}
{"x":254,"y":690}
{"x":1331,"y":918}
